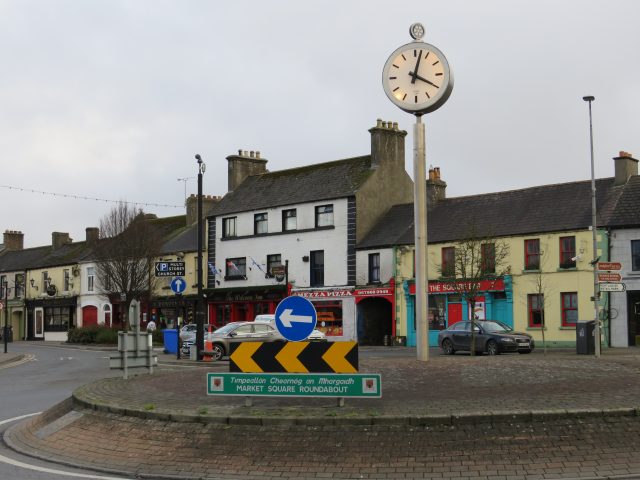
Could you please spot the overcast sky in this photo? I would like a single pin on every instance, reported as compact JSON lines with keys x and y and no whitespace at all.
{"x":112,"y":99}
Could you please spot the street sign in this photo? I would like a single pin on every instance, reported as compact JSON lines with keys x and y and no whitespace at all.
{"x":295,"y":318}
{"x":169,"y":269}
{"x":609,"y":277}
{"x":609,"y":266}
{"x":278,"y":270}
{"x":294,"y":357}
{"x":363,"y":385}
{"x":612,"y":287}
{"x":178,"y":285}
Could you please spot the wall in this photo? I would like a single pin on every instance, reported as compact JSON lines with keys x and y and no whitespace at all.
{"x":621,"y":252}
{"x":386,"y":265}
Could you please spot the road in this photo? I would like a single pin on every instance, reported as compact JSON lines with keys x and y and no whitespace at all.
{"x":47,"y":376}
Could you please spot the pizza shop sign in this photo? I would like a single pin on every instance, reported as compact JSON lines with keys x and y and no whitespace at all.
{"x":363,"y":292}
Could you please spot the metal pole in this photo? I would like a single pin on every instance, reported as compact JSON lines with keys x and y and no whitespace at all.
{"x":420,"y":223}
{"x":199,"y":316}
{"x":596,"y":289}
{"x":5,"y":287}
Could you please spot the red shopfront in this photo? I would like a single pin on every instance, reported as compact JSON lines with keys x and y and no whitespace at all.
{"x":242,"y":304}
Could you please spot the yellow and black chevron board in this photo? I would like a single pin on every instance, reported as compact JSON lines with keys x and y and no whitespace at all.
{"x":294,"y":357}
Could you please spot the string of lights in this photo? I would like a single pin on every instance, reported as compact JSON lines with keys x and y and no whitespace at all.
{"x":83,"y":197}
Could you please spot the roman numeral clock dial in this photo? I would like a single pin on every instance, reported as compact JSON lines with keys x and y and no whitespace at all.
{"x":417,"y":77}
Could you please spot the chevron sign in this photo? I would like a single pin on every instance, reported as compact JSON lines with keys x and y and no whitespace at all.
{"x":294,"y":357}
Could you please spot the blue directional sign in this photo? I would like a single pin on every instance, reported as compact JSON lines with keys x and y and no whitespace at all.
{"x":178,"y":285}
{"x":295,"y":318}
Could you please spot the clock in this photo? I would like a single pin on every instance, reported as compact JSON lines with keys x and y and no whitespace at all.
{"x":417,"y":77}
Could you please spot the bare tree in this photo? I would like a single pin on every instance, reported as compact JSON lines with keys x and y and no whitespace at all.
{"x":125,"y":254}
{"x":542,"y":291}
{"x":475,"y":258}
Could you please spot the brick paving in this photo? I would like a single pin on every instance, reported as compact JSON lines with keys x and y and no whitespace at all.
{"x":461,"y":417}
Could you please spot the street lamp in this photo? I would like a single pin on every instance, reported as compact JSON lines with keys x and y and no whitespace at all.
{"x":5,"y":331}
{"x":199,"y":313}
{"x":594,"y":262}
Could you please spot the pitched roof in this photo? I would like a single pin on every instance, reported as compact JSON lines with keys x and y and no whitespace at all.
{"x":548,"y":208}
{"x":323,"y":181}
{"x":627,"y":209}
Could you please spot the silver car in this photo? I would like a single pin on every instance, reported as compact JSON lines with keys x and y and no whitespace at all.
{"x":236,"y":332}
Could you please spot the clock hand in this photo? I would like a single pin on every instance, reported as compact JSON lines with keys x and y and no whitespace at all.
{"x":415,"y":76}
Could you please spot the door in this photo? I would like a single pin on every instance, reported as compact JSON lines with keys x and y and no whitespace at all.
{"x":38,"y":323}
{"x":633,"y":316}
{"x":462,"y":336}
{"x":89,"y":316}
{"x":454,"y":313}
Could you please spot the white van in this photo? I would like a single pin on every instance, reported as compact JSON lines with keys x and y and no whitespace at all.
{"x":270,"y":318}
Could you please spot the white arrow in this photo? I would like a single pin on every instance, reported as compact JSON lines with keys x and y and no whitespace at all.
{"x":287,"y":317}
{"x":179,"y":285}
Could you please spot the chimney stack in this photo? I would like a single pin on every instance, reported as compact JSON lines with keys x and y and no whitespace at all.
{"x":59,"y":239}
{"x":243,"y":165}
{"x":387,"y":145}
{"x":625,"y":167}
{"x":13,"y":240}
{"x":92,"y":234}
{"x":436,"y":188}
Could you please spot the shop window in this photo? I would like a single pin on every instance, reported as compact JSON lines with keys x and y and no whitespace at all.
{"x":329,"y":315}
{"x":273,"y":261}
{"x":229,"y":227}
{"x":436,"y":312}
{"x":324,"y":216}
{"x":567,"y":252}
{"x":57,"y":319}
{"x":316,"y":268}
{"x":569,"y":309}
{"x":289,"y":220}
{"x":374,"y":268}
{"x":260,"y":308}
{"x":532,"y":254}
{"x":448,"y":261}
{"x":635,"y":255}
{"x":260,"y":224}
{"x":535,"y":304}
{"x":236,"y":268}
{"x":488,"y":258}
{"x":222,"y":312}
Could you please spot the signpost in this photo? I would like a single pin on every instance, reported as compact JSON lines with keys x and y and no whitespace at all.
{"x":604,"y":277}
{"x":364,"y":385}
{"x":295,"y":318}
{"x":609,"y":266}
{"x":169,"y":269}
{"x":612,"y":287}
{"x":178,"y":285}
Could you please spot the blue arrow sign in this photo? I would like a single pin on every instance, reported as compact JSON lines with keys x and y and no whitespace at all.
{"x":178,"y":285}
{"x":295,"y":318}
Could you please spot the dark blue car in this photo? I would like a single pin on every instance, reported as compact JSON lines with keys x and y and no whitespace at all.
{"x":491,"y":336}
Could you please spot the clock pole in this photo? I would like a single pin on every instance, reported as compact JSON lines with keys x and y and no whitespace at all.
{"x":420,"y":231}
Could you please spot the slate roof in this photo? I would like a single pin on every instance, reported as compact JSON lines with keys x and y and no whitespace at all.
{"x":185,"y":240}
{"x":323,"y":181}
{"x":548,"y":208}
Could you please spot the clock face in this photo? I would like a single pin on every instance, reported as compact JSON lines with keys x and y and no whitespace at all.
{"x":417,"y":78}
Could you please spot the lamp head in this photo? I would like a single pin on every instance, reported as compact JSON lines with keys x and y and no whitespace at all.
{"x":589,"y":98}
{"x":199,"y":158}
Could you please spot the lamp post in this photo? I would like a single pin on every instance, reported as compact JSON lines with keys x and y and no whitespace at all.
{"x":199,"y":313}
{"x":5,"y":332}
{"x":594,"y":262}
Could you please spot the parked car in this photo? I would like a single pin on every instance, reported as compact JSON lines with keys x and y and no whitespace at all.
{"x":491,"y":336}
{"x":315,"y":336}
{"x":236,"y":332}
{"x":188,"y":332}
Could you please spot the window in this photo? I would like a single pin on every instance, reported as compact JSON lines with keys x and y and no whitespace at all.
{"x":448,"y":261}
{"x":289,"y":220}
{"x":273,"y":261}
{"x":91,"y":273}
{"x":19,"y":283}
{"x":3,"y":284}
{"x":532,"y":254}
{"x":374,"y":268}
{"x":324,"y":216}
{"x":536,"y":309}
{"x":567,"y":252}
{"x":45,"y":281}
{"x":569,"y":309}
{"x":317,"y":269}
{"x":57,"y":319}
{"x":236,"y":269}
{"x":635,"y":255}
{"x":488,"y":258}
{"x":229,"y":227}
{"x":260,"y":223}
{"x":66,"y":279}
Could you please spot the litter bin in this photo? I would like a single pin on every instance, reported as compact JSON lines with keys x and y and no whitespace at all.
{"x":585,"y":337}
{"x":170,"y":338}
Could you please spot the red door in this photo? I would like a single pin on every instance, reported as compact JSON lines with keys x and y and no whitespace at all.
{"x":454,"y":313}
{"x":89,"y":316}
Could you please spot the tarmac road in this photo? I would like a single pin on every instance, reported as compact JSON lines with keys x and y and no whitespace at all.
{"x":511,"y":416}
